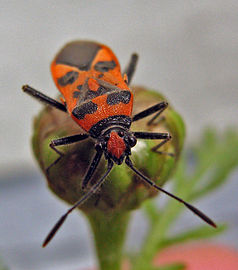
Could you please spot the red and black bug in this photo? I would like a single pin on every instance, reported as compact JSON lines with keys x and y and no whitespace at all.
{"x":97,"y":96}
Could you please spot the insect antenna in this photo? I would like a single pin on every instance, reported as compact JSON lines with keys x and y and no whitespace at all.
{"x":189,"y":206}
{"x":92,"y":190}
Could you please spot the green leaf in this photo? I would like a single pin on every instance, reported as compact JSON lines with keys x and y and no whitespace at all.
{"x":223,"y":160}
{"x":201,"y":232}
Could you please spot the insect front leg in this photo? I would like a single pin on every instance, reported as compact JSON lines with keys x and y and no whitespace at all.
{"x":93,"y":166}
{"x":64,"y":141}
{"x":43,"y":98}
{"x":165,"y":137}
{"x":158,"y":109}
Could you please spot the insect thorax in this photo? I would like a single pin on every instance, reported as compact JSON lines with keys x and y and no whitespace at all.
{"x":116,"y":120}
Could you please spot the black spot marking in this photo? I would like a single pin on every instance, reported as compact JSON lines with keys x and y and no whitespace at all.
{"x":79,"y":54}
{"x":116,"y":98}
{"x":76,"y":94}
{"x":69,"y":78}
{"x":87,"y":94}
{"x":101,"y":91}
{"x":79,"y":87}
{"x":100,"y":75}
{"x":104,"y":66}
{"x":86,"y":108}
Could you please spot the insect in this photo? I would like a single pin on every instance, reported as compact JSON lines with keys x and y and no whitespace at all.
{"x":98,"y":98}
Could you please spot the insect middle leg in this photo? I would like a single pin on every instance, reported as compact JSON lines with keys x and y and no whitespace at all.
{"x":165,"y":137}
{"x":159,"y":108}
{"x":64,"y":141}
{"x":43,"y":98}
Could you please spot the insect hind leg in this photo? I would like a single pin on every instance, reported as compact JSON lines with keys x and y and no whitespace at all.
{"x":43,"y":98}
{"x":130,"y":69}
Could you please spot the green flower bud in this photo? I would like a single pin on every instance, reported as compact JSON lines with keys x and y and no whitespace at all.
{"x":122,"y":190}
{"x":108,"y":210}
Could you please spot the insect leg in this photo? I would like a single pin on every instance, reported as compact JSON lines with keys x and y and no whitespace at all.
{"x":92,"y":190}
{"x":165,"y":137}
{"x":64,"y":141}
{"x":159,"y":108}
{"x":130,"y":69}
{"x":43,"y":98}
{"x":151,"y":135}
{"x":92,"y":168}
{"x":189,"y":206}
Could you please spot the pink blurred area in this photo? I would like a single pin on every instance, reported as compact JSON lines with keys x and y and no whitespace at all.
{"x":200,"y":257}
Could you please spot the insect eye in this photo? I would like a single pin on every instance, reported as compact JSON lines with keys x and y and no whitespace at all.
{"x":132,"y":141}
{"x":98,"y":146}
{"x":121,"y":133}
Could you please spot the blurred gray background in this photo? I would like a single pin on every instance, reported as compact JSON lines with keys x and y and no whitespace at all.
{"x":188,"y":51}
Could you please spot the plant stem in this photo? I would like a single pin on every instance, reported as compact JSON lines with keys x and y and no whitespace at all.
{"x":109,"y":231}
